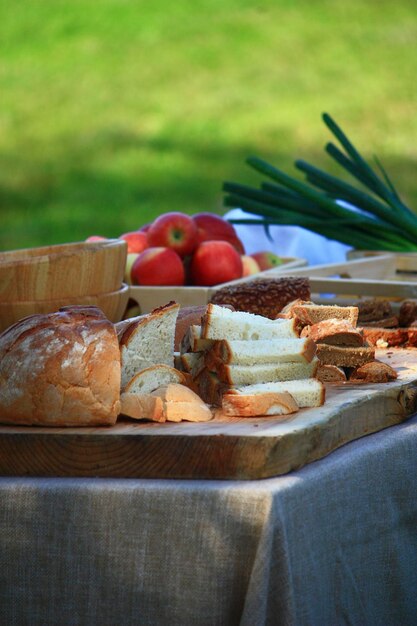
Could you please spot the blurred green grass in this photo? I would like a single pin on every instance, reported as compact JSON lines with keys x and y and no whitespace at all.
{"x":115,"y":111}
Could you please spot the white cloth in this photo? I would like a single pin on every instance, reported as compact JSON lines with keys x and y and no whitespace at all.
{"x":288,"y":241}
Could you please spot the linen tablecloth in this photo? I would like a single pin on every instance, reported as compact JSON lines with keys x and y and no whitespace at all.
{"x":332,"y":543}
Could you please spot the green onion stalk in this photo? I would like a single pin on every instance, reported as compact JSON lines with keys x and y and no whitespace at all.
{"x":374,"y":219}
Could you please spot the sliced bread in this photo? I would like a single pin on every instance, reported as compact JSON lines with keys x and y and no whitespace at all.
{"x":238,"y":352}
{"x":308,"y":392}
{"x":373,"y":372}
{"x":219,"y":322}
{"x":309,"y":313}
{"x":192,"y":341}
{"x":331,"y":374}
{"x":333,"y":331}
{"x":151,"y":378}
{"x":345,"y":356}
{"x":268,"y":403}
{"x":172,"y":403}
{"x":265,"y":372}
{"x":148,"y":340}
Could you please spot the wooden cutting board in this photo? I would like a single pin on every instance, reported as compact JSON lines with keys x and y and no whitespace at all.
{"x":232,"y":448}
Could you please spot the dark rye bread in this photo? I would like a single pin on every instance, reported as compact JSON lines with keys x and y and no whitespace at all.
{"x":60,"y":369}
{"x":263,"y":296}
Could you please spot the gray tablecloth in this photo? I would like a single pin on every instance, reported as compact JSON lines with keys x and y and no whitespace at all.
{"x":333,"y":543}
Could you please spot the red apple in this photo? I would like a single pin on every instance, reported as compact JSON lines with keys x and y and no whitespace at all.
{"x":158,"y":266}
{"x":212,"y":227}
{"x":250,"y":266}
{"x":96,"y":238}
{"x":266,"y":259}
{"x":215,"y":262}
{"x":237,"y":244}
{"x":173,"y":230}
{"x":136,"y":241}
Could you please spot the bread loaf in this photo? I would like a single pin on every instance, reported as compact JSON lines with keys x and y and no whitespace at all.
{"x":60,"y":369}
{"x":385,"y":337}
{"x":263,"y":296}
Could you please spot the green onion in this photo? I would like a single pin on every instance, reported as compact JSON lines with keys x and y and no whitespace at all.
{"x":329,"y":206}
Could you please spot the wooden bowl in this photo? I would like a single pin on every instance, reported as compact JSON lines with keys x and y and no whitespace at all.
{"x":62,"y":271}
{"x":113,"y":305}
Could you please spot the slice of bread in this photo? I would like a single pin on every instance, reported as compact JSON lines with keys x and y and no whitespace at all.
{"x":169,"y":403}
{"x":268,"y":403}
{"x":338,"y":332}
{"x":309,"y":313}
{"x":192,"y":362}
{"x":344,"y":356}
{"x":219,"y":322}
{"x":265,"y":372}
{"x":385,"y":337}
{"x":182,"y":404}
{"x":308,"y":392}
{"x":143,"y":406}
{"x":148,"y":340}
{"x":151,"y":378}
{"x":373,"y":372}
{"x":192,"y":341}
{"x":331,"y":374}
{"x":238,"y":352}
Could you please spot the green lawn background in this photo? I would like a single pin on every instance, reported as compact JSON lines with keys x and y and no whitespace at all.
{"x":114,"y":111}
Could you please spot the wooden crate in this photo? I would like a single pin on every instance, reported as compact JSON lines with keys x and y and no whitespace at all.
{"x":390,"y":276}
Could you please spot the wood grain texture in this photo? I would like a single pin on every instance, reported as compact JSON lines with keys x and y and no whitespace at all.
{"x":224,"y":448}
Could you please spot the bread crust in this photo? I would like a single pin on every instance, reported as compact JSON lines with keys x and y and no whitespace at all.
{"x":60,"y":369}
{"x":373,"y":372}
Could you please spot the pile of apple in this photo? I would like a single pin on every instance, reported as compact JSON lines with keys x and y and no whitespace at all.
{"x":179,"y":249}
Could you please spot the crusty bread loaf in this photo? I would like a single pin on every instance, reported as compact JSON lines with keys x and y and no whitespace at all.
{"x":339,"y":332}
{"x":373,"y":372}
{"x":263,"y":296}
{"x":307,"y":392}
{"x":172,"y":403}
{"x":151,"y":378}
{"x":238,"y":352}
{"x":344,"y":356}
{"x":266,"y":372}
{"x":268,"y":403}
{"x":219,"y":322}
{"x":148,"y":340}
{"x":60,"y":369}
